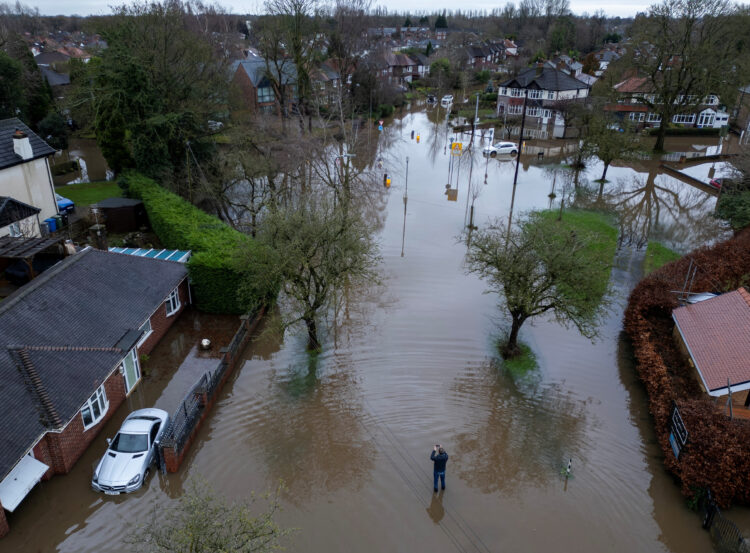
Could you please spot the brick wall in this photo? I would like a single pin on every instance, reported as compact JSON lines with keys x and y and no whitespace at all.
{"x":160,"y":323}
{"x":61,"y":450}
{"x":244,"y":93}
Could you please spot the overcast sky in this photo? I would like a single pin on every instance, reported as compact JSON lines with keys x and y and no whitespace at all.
{"x":624,"y":8}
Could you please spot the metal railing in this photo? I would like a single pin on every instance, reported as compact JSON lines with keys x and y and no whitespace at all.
{"x":725,"y":535}
{"x":191,"y":408}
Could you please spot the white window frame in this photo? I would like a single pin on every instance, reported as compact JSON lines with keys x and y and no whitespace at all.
{"x":547,"y":113}
{"x":504,"y":91}
{"x":172,"y":303}
{"x":515,"y":110}
{"x":536,"y":94}
{"x":147,"y":331}
{"x":516,"y":92}
{"x":684,"y":119}
{"x":97,"y":400}
{"x":654,"y":118}
{"x":637,"y":116}
{"x":706,"y":119}
{"x":533,"y":111}
{"x":712,"y":100}
{"x":15,"y":230}
{"x":550,"y":95}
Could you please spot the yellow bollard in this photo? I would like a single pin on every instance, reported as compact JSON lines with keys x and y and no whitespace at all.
{"x":417,"y":139}
{"x":388,"y":183}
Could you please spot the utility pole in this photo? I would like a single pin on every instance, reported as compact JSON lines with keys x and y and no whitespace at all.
{"x":518,"y":159}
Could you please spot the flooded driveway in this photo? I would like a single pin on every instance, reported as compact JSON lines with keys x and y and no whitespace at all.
{"x":412,"y":362}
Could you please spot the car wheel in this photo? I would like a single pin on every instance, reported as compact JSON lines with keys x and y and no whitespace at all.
{"x":493,"y":154}
{"x":513,"y":152}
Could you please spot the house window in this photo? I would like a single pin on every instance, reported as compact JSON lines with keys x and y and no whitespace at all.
{"x":547,"y":113}
{"x":533,"y":112}
{"x":536,"y":94}
{"x":15,"y":230}
{"x":684,"y":119}
{"x":146,"y":330}
{"x":95,"y":408}
{"x":515,"y":110}
{"x":654,"y":118}
{"x":503,"y":91}
{"x":706,"y":119}
{"x":516,"y":92}
{"x":712,"y":100}
{"x":173,"y":302}
{"x":637,"y":117}
{"x":550,"y":95}
{"x":265,"y":94}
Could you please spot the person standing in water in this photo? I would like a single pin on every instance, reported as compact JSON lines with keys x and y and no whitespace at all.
{"x":440,"y":458}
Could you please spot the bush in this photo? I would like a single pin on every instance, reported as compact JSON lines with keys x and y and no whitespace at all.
{"x":216,"y":246}
{"x":717,"y":457}
{"x":734,"y":206}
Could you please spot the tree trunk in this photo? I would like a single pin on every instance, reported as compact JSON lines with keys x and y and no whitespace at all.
{"x":659,"y":146}
{"x":312,"y":334}
{"x":511,"y":349}
{"x":604,"y":174}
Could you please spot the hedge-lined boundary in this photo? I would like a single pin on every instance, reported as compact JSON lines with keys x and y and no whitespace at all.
{"x":213,"y":270}
{"x":717,"y":455}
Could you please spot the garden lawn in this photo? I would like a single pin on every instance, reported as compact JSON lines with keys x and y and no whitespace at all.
{"x":657,"y":256}
{"x":88,"y":193}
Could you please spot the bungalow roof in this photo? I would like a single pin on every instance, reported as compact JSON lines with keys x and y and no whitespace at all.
{"x":63,"y":333}
{"x":717,"y":335}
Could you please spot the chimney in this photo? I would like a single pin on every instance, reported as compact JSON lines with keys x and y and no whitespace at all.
{"x":22,"y":145}
{"x":539,"y":68}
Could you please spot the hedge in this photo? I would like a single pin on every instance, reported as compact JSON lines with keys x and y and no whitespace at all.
{"x":213,"y":268}
{"x":716,"y":456}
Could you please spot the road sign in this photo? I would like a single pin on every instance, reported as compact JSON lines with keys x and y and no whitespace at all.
{"x":457,"y":148}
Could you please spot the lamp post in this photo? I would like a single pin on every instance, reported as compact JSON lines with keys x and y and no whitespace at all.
{"x":518,"y":158}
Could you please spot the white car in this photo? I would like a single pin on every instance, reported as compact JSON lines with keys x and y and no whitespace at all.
{"x":130,"y":454}
{"x":447,"y":100}
{"x":501,"y":148}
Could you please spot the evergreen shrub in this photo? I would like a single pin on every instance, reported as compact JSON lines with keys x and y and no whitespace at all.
{"x":213,"y":268}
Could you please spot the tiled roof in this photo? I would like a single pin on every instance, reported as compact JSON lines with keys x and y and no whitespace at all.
{"x":256,"y":71}
{"x":633,"y":84}
{"x":74,"y":323}
{"x":8,"y":156}
{"x":544,"y":78}
{"x":12,"y":210}
{"x":717,"y":333}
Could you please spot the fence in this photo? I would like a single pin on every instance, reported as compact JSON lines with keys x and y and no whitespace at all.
{"x":194,"y":408}
{"x":725,"y":535}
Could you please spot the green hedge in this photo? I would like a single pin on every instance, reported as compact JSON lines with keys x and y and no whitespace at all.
{"x":214,"y":269}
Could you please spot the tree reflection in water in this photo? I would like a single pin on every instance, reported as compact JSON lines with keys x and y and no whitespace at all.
{"x":654,"y":206}
{"x":310,"y":435}
{"x":529,"y":427}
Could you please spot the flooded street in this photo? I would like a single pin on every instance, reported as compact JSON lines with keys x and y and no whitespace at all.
{"x":412,"y":362}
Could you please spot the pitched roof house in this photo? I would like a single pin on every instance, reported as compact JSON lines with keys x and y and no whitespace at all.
{"x":716,"y":335}
{"x":547,"y":88}
{"x":70,"y":343}
{"x":24,"y":170}
{"x":250,"y":78}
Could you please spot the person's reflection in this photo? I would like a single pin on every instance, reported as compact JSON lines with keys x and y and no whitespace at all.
{"x":435,"y":510}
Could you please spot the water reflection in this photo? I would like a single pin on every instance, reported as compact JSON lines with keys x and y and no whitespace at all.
{"x":527,"y":428}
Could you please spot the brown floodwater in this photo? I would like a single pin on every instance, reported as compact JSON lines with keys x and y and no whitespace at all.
{"x":93,"y":166}
{"x":411,"y":362}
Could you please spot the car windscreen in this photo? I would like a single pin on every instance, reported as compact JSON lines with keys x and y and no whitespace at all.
{"x":129,"y":443}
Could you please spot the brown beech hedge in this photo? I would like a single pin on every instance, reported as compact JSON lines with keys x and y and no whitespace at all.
{"x":717,"y":455}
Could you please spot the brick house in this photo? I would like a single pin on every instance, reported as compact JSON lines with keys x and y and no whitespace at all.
{"x":70,"y":345}
{"x":634,"y":91}
{"x":547,"y":89}
{"x":253,"y":90}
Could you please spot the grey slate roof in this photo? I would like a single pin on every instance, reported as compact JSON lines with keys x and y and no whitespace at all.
{"x":546,"y":79}
{"x":12,"y":210}
{"x":256,"y":70}
{"x":54,"y":78}
{"x":75,"y":323}
{"x":8,"y":156}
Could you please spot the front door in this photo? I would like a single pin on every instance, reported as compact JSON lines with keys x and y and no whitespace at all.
{"x":131,"y":370}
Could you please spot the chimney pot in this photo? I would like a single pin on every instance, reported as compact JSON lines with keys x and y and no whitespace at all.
{"x":22,"y":145}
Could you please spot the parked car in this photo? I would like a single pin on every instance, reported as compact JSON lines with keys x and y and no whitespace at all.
{"x":129,"y":456}
{"x":431,"y":99}
{"x":501,"y":148}
{"x":718,"y":182}
{"x":64,"y":205}
{"x":447,"y":100}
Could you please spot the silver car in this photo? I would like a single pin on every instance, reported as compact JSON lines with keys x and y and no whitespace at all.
{"x":501,"y":148}
{"x":128,"y":459}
